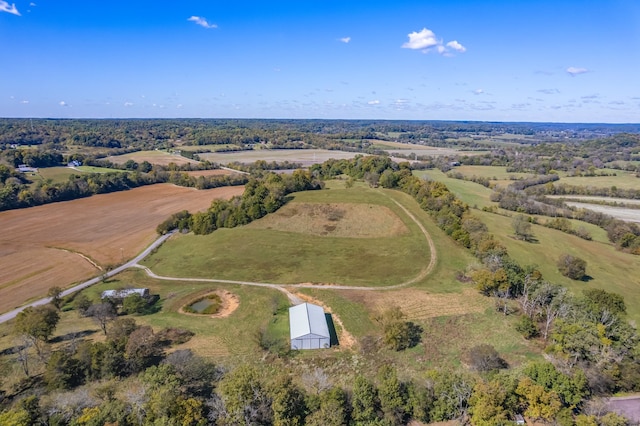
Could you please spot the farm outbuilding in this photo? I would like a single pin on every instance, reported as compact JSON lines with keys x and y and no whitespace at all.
{"x":122,"y":293}
{"x":308,"y":327}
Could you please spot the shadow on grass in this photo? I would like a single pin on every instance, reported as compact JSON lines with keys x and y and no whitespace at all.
{"x":73,"y":335}
{"x":333,"y":335}
{"x":586,"y":278}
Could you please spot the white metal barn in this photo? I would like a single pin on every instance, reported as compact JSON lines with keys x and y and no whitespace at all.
{"x":308,"y":327}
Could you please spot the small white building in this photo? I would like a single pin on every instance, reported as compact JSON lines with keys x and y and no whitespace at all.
{"x":308,"y":327}
{"x":122,"y":293}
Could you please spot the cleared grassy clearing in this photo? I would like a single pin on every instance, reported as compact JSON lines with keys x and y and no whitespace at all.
{"x":623,"y":180}
{"x":608,"y":268}
{"x":61,"y":174}
{"x":305,"y":156}
{"x":210,"y":148}
{"x":252,"y":254}
{"x":55,"y":174}
{"x":432,"y":151}
{"x":91,"y":169}
{"x":217,"y":172}
{"x":490,"y":172}
{"x":335,"y":220}
{"x":55,"y":244}
{"x":471,"y":193}
{"x":162,"y":158}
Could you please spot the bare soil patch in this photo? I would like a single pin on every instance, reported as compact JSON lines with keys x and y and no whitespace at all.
{"x":52,"y":244}
{"x":335,"y":220}
{"x":628,"y":215}
{"x":419,"y":305}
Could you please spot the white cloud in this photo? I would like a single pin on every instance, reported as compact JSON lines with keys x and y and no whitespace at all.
{"x":573,"y":71}
{"x":32,"y":4}
{"x":202,"y":22}
{"x":422,"y":40}
{"x":128,"y":104}
{"x":63,"y":104}
{"x":456,"y":46}
{"x":374,"y":102}
{"x":345,"y":39}
{"x":426,"y":41}
{"x":478,"y":92}
{"x":24,"y":102}
{"x":5,"y":7}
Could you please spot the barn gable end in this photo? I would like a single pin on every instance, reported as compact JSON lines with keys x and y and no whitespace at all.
{"x":308,"y":327}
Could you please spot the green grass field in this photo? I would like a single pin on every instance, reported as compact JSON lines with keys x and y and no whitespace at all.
{"x":623,"y":180}
{"x":252,"y":254}
{"x":609,"y":269}
{"x":474,"y":194}
{"x":61,"y":174}
{"x":209,"y":148}
{"x":258,"y":254}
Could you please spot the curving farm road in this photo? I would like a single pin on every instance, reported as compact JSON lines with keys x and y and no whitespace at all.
{"x":133,"y":262}
{"x":433,"y":258}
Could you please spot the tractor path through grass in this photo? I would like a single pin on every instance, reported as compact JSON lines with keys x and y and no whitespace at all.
{"x":433,"y":259}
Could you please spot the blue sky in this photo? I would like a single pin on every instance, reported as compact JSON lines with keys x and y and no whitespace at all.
{"x":497,"y":60}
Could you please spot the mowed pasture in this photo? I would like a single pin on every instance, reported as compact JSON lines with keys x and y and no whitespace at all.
{"x":306,"y":157}
{"x":61,"y":174}
{"x":622,"y":180}
{"x":608,"y":269}
{"x":207,"y":173}
{"x":162,"y":158}
{"x":62,"y":243}
{"x":372,"y":259}
{"x":354,"y":252}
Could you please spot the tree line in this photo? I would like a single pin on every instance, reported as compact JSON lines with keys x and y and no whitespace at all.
{"x":262,"y":195}
{"x":17,"y":192}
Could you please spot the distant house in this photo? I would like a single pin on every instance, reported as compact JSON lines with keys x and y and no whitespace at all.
{"x":519,"y":419}
{"x":74,"y":163}
{"x":122,"y":293}
{"x":308,"y":327}
{"x":23,"y":168}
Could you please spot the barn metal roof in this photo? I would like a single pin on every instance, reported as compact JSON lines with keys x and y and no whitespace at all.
{"x":306,"y":319}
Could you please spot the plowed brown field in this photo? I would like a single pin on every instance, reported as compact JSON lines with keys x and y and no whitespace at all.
{"x":62,"y":243}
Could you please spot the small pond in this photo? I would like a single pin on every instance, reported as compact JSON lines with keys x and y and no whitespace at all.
{"x":201,"y":305}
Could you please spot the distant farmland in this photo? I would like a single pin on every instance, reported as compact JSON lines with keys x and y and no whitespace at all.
{"x":162,"y":158}
{"x":62,"y":243}
{"x":306,"y":157}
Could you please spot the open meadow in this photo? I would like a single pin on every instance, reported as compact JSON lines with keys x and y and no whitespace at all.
{"x":319,"y":237}
{"x":62,"y":243}
{"x":61,"y":174}
{"x":622,"y":180}
{"x":347,"y":237}
{"x":607,"y":268}
{"x":306,"y":157}
{"x":161,"y":158}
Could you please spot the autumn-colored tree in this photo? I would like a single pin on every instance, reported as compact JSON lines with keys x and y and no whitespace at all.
{"x":540,"y":404}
